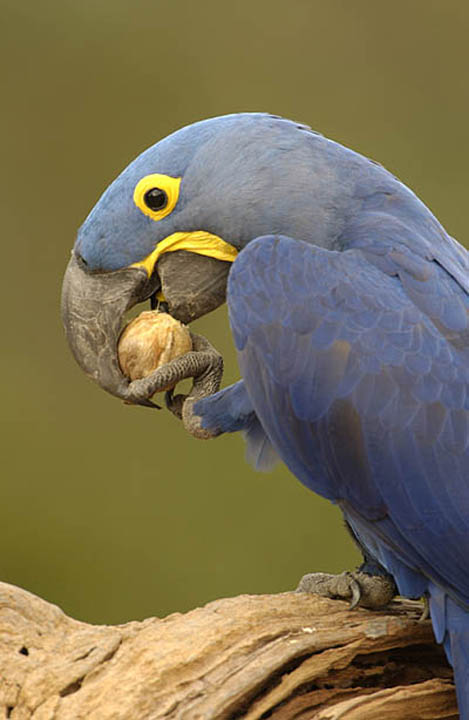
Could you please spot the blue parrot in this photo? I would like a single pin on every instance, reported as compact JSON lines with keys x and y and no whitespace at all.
{"x":349,"y":309}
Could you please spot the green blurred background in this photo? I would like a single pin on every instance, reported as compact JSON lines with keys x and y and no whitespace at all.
{"x":110,"y":511}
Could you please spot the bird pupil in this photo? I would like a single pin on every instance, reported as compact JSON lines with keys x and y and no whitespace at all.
{"x":155,"y":199}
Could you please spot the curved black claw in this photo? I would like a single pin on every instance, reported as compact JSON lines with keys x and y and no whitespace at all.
{"x":356,"y":592}
{"x":174,"y":402}
{"x":370,"y":591}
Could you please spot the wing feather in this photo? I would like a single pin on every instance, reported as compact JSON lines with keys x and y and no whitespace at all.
{"x":356,"y":366}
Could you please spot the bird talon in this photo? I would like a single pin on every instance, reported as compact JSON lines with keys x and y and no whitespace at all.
{"x":174,"y":402}
{"x":356,"y":591}
{"x":426,"y":610}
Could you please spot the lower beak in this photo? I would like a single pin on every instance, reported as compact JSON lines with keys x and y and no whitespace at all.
{"x":94,"y":304}
{"x":192,"y":285}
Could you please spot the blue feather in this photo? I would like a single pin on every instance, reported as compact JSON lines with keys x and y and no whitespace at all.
{"x":231,"y":410}
{"x":358,"y":377}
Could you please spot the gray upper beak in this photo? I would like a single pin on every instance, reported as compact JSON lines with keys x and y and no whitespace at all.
{"x":93,"y":306}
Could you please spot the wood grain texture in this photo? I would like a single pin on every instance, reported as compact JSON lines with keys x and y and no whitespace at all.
{"x":287,"y":656}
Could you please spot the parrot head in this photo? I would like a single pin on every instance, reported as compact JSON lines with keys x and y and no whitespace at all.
{"x":173,"y":221}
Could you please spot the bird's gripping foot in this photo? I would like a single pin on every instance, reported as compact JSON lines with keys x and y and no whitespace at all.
{"x":369,"y":591}
{"x":204,"y":364}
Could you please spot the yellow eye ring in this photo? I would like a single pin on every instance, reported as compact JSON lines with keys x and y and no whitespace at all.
{"x":161,"y":191}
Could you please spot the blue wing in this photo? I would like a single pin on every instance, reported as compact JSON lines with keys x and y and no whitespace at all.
{"x":355,"y":370}
{"x":356,"y":366}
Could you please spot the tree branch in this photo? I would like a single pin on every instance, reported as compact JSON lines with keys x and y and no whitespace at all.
{"x":283,"y":656}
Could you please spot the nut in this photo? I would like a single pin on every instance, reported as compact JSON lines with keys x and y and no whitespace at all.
{"x":149,"y":341}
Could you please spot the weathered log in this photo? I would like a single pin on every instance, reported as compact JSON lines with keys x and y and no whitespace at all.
{"x":283,"y":656}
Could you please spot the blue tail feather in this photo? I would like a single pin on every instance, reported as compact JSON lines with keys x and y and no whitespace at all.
{"x":459,"y":651}
{"x":438,"y":614}
{"x":259,"y":450}
{"x":230,"y":410}
{"x":451,"y":627}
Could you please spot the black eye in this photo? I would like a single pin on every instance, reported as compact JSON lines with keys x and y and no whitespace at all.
{"x":155,"y":199}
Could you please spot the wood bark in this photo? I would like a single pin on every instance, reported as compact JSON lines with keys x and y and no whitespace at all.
{"x":284,"y":657}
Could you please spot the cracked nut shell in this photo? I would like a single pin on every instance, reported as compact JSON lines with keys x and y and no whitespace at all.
{"x":150,"y":340}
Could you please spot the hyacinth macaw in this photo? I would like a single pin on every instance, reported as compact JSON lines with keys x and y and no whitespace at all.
{"x":349,"y":308}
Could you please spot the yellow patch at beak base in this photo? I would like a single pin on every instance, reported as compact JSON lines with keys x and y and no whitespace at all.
{"x":199,"y":242}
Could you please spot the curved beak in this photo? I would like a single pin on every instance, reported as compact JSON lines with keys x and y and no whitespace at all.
{"x":94,"y":304}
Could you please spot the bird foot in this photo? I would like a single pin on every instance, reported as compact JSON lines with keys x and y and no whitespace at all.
{"x":203,"y":363}
{"x":206,"y":381}
{"x":369,"y":591}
